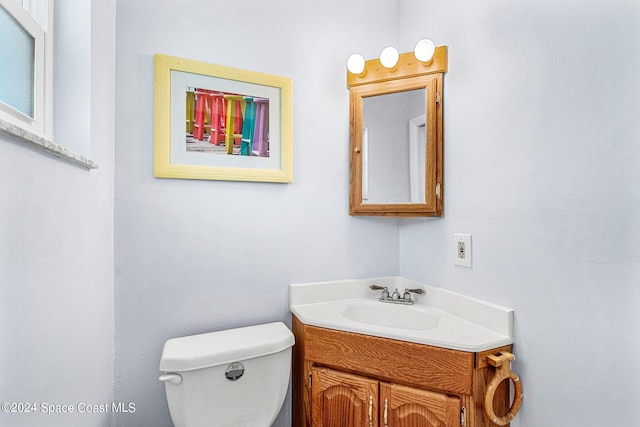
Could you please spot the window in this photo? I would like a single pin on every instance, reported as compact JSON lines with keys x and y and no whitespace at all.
{"x":26,"y":75}
{"x":26,"y":59}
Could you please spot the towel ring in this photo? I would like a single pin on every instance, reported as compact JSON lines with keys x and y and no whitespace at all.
{"x":503,"y":372}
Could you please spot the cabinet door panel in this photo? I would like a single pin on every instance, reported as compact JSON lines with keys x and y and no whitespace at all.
{"x":343,"y":400}
{"x":409,"y":407}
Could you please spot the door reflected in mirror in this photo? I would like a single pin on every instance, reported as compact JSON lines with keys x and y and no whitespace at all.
{"x":394,"y":147}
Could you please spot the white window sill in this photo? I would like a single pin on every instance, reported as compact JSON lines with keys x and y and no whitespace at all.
{"x":46,"y":145}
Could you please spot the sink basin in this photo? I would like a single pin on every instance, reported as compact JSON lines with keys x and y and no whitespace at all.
{"x":438,"y":318}
{"x":391,"y":316}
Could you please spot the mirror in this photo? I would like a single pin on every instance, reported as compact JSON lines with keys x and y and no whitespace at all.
{"x":396,"y":138}
{"x":397,"y":117}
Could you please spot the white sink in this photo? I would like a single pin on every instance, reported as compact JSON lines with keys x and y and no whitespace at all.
{"x":408,"y":317}
{"x":439,"y":317}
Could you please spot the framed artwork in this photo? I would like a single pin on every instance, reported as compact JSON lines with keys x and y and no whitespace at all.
{"x":221,"y":123}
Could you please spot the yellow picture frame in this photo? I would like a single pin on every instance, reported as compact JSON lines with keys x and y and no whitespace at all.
{"x":175,"y":78}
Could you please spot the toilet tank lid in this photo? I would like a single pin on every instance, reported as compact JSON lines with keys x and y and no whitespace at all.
{"x":222,"y":347}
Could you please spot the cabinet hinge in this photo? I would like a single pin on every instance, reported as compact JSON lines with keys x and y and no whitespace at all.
{"x":438,"y":192}
{"x":437,"y":98}
{"x":463,"y":416}
{"x":310,"y":379}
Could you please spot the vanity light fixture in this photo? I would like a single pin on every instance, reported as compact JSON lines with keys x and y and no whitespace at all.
{"x":355,"y":64}
{"x":389,"y":57}
{"x":424,"y":50}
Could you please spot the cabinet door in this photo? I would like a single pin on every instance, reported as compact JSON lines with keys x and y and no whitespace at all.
{"x":402,"y":406}
{"x":339,"y":399}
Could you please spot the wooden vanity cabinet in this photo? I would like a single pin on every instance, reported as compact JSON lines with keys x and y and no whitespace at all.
{"x":343,"y":379}
{"x":403,"y":406}
{"x":343,"y":399}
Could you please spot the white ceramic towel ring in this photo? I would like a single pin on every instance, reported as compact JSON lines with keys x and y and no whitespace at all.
{"x":503,"y":372}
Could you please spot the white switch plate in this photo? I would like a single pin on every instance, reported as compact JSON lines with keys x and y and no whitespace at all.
{"x":462,"y":249}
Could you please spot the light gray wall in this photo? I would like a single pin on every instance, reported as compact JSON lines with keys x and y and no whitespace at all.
{"x":542,"y":167}
{"x":198,"y":256}
{"x":56,"y":243}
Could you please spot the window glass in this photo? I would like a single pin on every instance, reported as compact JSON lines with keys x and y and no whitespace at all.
{"x":17,"y":64}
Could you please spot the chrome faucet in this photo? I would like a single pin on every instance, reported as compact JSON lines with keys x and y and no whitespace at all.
{"x":395,"y":297}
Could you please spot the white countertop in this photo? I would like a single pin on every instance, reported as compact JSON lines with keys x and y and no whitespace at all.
{"x":461,"y":322}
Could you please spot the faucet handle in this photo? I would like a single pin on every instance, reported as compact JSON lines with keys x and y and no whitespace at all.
{"x":384,"y":289}
{"x":407,"y":293}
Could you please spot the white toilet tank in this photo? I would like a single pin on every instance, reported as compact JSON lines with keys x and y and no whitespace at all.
{"x":236,"y":377}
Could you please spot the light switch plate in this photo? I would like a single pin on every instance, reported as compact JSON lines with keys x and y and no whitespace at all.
{"x":462,"y":249}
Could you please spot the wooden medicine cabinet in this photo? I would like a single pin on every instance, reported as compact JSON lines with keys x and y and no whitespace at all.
{"x":396,"y":144}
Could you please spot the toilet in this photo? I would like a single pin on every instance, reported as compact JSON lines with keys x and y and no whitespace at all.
{"x":235,"y":377}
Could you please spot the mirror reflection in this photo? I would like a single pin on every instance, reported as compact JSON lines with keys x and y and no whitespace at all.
{"x":394,"y":147}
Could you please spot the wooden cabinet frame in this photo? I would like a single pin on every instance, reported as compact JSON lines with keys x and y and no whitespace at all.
{"x":462,"y":376}
{"x":410,"y":74}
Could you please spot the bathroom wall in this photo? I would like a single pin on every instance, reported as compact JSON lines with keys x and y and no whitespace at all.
{"x":198,"y":256}
{"x":56,"y":238}
{"x":542,"y":166}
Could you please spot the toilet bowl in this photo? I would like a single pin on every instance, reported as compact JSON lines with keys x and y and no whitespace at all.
{"x":236,"y":377}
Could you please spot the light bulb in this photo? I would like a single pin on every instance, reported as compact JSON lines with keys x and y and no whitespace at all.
{"x":389,"y":57}
{"x":355,"y":64}
{"x":424,"y":50}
